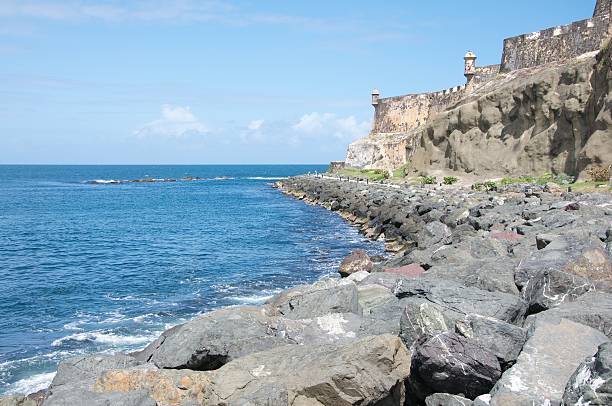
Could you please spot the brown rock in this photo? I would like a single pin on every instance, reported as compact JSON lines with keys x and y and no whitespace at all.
{"x":167,"y":387}
{"x":357,"y":261}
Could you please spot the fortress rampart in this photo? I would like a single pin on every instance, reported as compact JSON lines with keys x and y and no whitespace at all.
{"x":405,"y":113}
{"x":554,"y":44}
{"x":401,"y":114}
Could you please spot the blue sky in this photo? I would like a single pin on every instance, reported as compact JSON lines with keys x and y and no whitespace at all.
{"x":228,"y":81}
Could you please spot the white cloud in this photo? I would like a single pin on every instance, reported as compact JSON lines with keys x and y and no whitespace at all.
{"x":328,"y":124}
{"x":255,"y":125}
{"x":175,"y":121}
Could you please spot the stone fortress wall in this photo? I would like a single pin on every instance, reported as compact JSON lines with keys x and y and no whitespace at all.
{"x":401,"y":114}
{"x":557,"y":43}
{"x":405,"y":113}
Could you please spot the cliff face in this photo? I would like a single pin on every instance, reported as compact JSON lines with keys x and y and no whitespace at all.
{"x":554,"y":118}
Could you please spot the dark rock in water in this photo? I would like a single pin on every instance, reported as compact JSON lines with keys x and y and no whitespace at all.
{"x":357,"y":261}
{"x":591,"y":384}
{"x":446,"y":399}
{"x":369,"y":371}
{"x":593,"y":309}
{"x":326,"y":296}
{"x":582,"y":257}
{"x":211,"y":340}
{"x":450,"y":363}
{"x":502,"y":339}
{"x":550,"y":356}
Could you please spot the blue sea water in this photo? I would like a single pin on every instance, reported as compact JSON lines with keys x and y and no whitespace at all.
{"x":107,"y":267}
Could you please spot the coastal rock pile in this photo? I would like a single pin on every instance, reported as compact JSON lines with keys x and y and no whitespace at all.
{"x":490,"y":299}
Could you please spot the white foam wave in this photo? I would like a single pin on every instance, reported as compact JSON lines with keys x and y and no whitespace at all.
{"x":32,"y":384}
{"x":104,"y":181}
{"x":103,"y":338}
{"x":255,"y":299}
{"x":266,"y":177}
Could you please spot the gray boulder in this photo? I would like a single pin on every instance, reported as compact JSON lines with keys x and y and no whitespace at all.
{"x":74,"y":397}
{"x":423,"y":318}
{"x":583,"y":257}
{"x":459,"y":300}
{"x":446,"y":399}
{"x":84,"y":370}
{"x":591,"y":384}
{"x":357,"y":261}
{"x":369,"y":371}
{"x":492,"y":274}
{"x":450,"y":363}
{"x":552,"y":287}
{"x":213,"y":339}
{"x":553,"y":351}
{"x":500,"y":338}
{"x":319,"y":299}
{"x":17,"y":401}
{"x":593,"y":309}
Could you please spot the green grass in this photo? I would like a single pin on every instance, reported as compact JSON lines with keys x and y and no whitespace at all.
{"x":590,"y":187}
{"x":561,"y":179}
{"x":401,"y":172}
{"x":371,"y":174}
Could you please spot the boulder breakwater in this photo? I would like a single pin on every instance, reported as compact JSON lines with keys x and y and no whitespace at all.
{"x":488,"y":298}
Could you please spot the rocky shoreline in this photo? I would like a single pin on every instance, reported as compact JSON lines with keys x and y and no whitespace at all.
{"x":490,"y":298}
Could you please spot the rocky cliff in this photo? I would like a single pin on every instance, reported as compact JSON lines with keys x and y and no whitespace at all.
{"x":553,"y":118}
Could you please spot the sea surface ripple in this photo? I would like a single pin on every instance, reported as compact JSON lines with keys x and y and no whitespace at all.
{"x":97,"y":266}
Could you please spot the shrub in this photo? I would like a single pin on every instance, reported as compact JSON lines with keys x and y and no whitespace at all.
{"x":599,"y":174}
{"x":427,"y":180}
{"x":490,"y":185}
{"x":450,"y":180}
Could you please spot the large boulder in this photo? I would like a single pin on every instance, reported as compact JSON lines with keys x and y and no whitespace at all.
{"x":419,"y":319}
{"x":583,"y":257}
{"x":84,"y":370}
{"x":458,"y":300}
{"x":74,"y":397}
{"x":550,"y":356}
{"x":500,"y":338}
{"x":552,"y":287}
{"x":167,"y":387}
{"x":593,"y":309}
{"x":319,"y":299}
{"x":369,"y":371}
{"x":213,"y":339}
{"x":17,"y":401}
{"x":357,"y":261}
{"x":450,"y":363}
{"x":492,"y":274}
{"x":446,"y":399}
{"x":591,"y":384}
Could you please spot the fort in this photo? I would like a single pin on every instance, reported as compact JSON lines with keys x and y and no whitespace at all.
{"x":405,"y":113}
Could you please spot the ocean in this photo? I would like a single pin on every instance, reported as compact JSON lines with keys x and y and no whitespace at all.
{"x":91,"y":265}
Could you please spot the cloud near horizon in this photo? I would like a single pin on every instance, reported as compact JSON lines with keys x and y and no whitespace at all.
{"x":175,"y":121}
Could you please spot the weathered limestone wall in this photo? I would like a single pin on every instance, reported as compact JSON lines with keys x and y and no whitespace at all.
{"x":405,"y":113}
{"x":555,"y":44}
{"x":486,"y":73}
